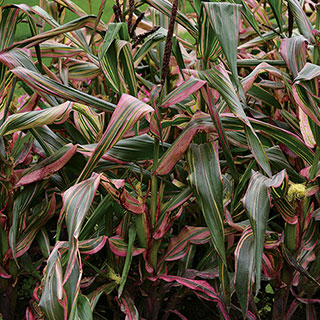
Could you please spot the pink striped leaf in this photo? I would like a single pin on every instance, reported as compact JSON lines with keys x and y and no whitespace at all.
{"x":244,"y":268}
{"x":88,"y":122}
{"x":206,"y":181}
{"x":304,"y":25}
{"x":181,"y":144}
{"x":128,"y":111}
{"x":219,"y":79}
{"x":93,"y":245}
{"x":53,"y":301}
{"x":56,"y":50}
{"x":48,"y":166}
{"x":41,"y":37}
{"x":294,"y":53}
{"x":34,"y":225}
{"x":183,"y":91}
{"x":76,"y":203}
{"x":200,"y":287}
{"x":179,"y":246}
{"x":257,"y":202}
{"x":305,"y":128}
{"x":33,"y":119}
{"x":128,"y":307}
{"x":120,"y":248}
{"x":46,"y":86}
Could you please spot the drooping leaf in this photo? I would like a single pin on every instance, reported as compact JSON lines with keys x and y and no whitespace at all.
{"x":221,"y":14}
{"x":184,"y":90}
{"x":53,"y":298}
{"x":46,"y":85}
{"x":304,"y":25}
{"x":32,"y":119}
{"x":129,"y":110}
{"x":245,"y":266}
{"x":206,"y":181}
{"x":48,"y":166}
{"x":257,"y":203}
{"x":218,"y":78}
{"x":180,"y":245}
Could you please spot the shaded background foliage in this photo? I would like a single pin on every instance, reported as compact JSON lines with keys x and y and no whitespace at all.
{"x":159,"y":164}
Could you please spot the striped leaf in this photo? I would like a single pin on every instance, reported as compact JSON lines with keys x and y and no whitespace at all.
{"x":184,"y":90}
{"x":79,"y":196}
{"x":181,"y":144}
{"x":129,"y":110}
{"x":206,"y":181}
{"x":128,"y":307}
{"x":88,"y":122}
{"x":218,"y":78}
{"x":56,"y":50}
{"x":53,"y":299}
{"x":92,"y":246}
{"x":33,"y":119}
{"x":165,"y":7}
{"x":81,"y":70}
{"x":276,"y":6}
{"x":120,"y":248}
{"x":48,"y":166}
{"x":179,"y":246}
{"x":221,"y":14}
{"x":20,"y":205}
{"x":127,"y":263}
{"x":149,"y":43}
{"x":208,"y":47}
{"x":137,"y":148}
{"x":290,"y":140}
{"x":41,"y":37}
{"x":42,"y":84}
{"x":257,"y":202}
{"x":34,"y":225}
{"x":294,"y":53}
{"x":76,"y":203}
{"x":304,"y":25}
{"x":8,"y":24}
{"x":245,"y":267}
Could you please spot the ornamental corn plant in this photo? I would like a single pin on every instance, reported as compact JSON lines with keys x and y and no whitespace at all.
{"x":160,"y":165}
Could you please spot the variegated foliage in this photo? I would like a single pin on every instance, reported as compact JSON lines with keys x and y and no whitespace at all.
{"x":116,"y":186}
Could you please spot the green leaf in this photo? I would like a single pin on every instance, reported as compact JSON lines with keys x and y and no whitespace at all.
{"x":127,"y":263}
{"x":221,"y":14}
{"x":206,"y":181}
{"x":245,"y":267}
{"x":257,"y":203}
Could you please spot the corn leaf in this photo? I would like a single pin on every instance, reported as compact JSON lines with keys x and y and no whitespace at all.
{"x":165,"y":7}
{"x":245,"y":266}
{"x":48,"y":166}
{"x":129,"y":110}
{"x":42,"y":84}
{"x":257,"y":203}
{"x":33,"y":119}
{"x":304,"y":25}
